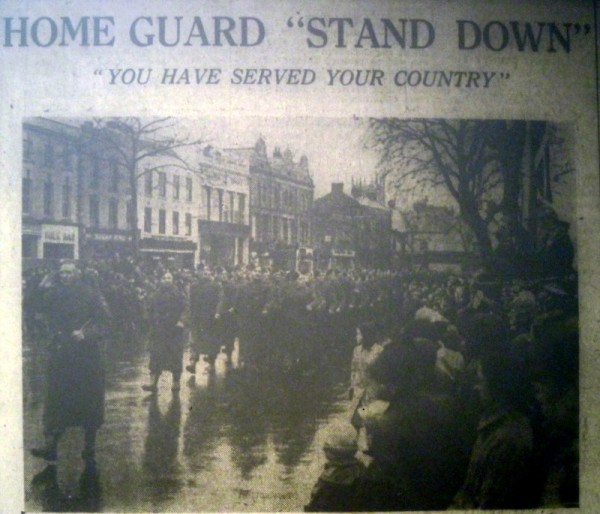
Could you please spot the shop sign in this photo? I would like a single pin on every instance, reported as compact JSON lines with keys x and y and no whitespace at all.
{"x":99,"y":236}
{"x":59,"y":234}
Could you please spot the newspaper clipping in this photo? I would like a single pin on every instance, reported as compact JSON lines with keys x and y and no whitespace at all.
{"x":299,"y":256}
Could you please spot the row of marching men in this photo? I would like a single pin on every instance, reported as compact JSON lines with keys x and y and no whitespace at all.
{"x":282,"y":320}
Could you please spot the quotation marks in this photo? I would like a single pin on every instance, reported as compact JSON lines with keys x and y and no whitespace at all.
{"x":296,"y":21}
{"x":582,"y":29}
{"x":98,"y":72}
{"x":503,"y":75}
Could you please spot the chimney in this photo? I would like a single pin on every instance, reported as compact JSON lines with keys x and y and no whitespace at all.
{"x":337,"y":188}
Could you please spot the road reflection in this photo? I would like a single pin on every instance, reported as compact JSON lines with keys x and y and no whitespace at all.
{"x":160,"y":464}
{"x":230,"y":440}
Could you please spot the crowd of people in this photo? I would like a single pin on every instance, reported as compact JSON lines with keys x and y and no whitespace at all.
{"x":467,"y":399}
{"x":463,"y":387}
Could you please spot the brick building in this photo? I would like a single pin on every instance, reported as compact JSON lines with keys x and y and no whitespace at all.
{"x":350,"y":232}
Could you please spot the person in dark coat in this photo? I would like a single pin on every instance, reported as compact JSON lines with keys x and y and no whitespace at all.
{"x":503,"y":472}
{"x":207,"y":302}
{"x":167,"y":308}
{"x":419,"y":443}
{"x":77,"y":317}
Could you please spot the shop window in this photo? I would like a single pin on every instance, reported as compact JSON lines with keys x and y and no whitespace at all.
{"x":58,"y":251}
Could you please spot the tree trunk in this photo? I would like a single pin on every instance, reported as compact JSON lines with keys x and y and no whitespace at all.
{"x":135,"y":233}
{"x":470,"y":214}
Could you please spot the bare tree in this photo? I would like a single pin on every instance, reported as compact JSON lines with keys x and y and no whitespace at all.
{"x":139,"y":147}
{"x":480,"y":163}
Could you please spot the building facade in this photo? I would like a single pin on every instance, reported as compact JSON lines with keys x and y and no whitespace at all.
{"x":80,"y":201}
{"x":281,"y":194}
{"x":51,"y":227}
{"x":348,"y":232}
{"x":228,"y":207}
{"x":224,"y":214}
{"x":158,"y":222}
{"x":168,"y":204}
{"x":104,"y":199}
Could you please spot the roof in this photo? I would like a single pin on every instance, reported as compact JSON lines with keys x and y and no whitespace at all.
{"x":372,"y":204}
{"x":335,"y":201}
{"x":50,"y":125}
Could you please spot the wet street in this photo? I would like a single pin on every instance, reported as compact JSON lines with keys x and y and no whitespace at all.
{"x":232,"y":440}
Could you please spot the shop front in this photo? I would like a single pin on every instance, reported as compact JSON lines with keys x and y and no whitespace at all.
{"x":31,"y":241}
{"x":328,"y":258}
{"x":171,"y":252}
{"x":223,"y":244}
{"x":105,"y":243}
{"x":56,"y":241}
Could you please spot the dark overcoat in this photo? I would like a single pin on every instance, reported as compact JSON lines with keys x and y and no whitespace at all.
{"x":167,"y":307}
{"x":206,"y":301}
{"x":76,"y":375}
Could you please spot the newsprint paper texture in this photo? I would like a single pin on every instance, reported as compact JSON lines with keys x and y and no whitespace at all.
{"x":252,"y":181}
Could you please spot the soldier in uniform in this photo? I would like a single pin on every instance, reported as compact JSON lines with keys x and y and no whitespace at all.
{"x":167,"y":307}
{"x":295,"y":348}
{"x":206,"y":307}
{"x":77,"y":318}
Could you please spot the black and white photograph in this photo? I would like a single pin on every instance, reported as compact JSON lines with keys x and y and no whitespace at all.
{"x":299,"y":314}
{"x":299,"y":256}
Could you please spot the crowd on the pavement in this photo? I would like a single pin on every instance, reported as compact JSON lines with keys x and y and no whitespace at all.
{"x":463,"y":387}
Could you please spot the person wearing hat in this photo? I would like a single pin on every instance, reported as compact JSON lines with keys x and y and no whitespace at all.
{"x":77,"y":317}
{"x":343,"y":485}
